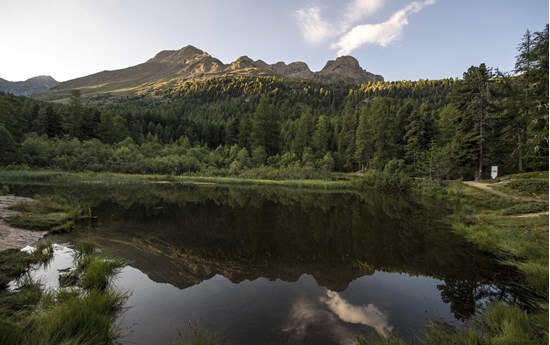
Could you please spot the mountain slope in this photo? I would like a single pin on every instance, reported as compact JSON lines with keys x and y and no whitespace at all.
{"x":28,"y":87}
{"x":171,"y":67}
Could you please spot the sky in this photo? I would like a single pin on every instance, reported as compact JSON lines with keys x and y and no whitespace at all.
{"x":399,"y":39}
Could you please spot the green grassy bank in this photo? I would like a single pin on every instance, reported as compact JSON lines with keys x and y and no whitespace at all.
{"x":83,"y":311}
{"x":516,"y":231}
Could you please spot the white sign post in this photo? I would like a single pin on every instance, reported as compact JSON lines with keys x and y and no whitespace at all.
{"x":494,"y":171}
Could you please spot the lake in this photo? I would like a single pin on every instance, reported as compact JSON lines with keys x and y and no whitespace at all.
{"x":280,"y":266}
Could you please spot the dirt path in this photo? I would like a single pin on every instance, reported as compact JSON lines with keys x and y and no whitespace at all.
{"x":11,"y":237}
{"x":487,"y":187}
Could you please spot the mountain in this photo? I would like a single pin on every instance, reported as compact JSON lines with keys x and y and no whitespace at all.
{"x":28,"y":87}
{"x":346,"y":69}
{"x":172,"y":67}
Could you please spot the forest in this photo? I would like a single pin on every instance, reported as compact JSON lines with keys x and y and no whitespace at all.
{"x":271,"y":127}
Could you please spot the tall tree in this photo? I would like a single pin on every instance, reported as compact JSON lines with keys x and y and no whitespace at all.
{"x":304,"y":130}
{"x":532,"y":65}
{"x":362,"y":143}
{"x":472,"y":98}
{"x":346,"y":142}
{"x":74,"y":118}
{"x":265,"y":127}
{"x":321,"y":136}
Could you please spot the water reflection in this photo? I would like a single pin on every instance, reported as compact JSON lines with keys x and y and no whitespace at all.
{"x":368,"y":315}
{"x":265,"y":265}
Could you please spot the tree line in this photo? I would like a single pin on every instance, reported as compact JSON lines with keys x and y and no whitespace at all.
{"x":279,"y":128}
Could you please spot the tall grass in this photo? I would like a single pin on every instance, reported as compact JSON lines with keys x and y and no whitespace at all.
{"x":68,"y":316}
{"x":86,"y":319}
{"x":13,"y":262}
{"x":52,"y":213}
{"x":498,"y":324}
{"x":200,"y":336}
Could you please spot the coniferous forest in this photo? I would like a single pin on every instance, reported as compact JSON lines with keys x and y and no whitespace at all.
{"x":271,"y":127}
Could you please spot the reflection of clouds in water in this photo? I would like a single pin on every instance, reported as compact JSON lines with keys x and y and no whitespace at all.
{"x":368,"y":315}
{"x":306,"y":318}
{"x":309,"y":317}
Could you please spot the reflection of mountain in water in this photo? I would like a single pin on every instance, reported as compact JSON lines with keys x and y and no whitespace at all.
{"x":165,"y":264}
{"x":183,"y":235}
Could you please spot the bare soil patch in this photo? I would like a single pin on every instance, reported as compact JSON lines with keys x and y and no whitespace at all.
{"x":11,"y":237}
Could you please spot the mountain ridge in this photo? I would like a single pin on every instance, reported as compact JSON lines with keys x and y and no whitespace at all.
{"x":28,"y":87}
{"x":171,"y":67}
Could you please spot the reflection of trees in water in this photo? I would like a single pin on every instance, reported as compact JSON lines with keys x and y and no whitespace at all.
{"x":468,"y":295}
{"x":278,"y":228}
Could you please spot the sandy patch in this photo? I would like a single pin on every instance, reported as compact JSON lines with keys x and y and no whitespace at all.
{"x":11,"y":237}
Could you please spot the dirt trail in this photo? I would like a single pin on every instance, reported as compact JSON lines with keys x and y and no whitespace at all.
{"x":11,"y":237}
{"x":487,"y":187}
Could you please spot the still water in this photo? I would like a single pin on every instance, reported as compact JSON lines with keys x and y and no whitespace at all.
{"x":280,"y":266}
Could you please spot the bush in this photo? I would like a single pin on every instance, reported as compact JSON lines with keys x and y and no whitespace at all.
{"x":530,"y":207}
{"x":529,"y":186}
{"x":392,"y":178}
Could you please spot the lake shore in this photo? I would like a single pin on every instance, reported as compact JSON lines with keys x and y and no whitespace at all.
{"x":13,"y":237}
{"x":493,"y":221}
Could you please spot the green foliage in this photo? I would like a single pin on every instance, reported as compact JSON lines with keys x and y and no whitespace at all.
{"x":529,"y":186}
{"x":29,"y":315}
{"x":200,"y":336}
{"x":51,"y":213}
{"x":13,"y":263}
{"x":97,"y":271}
{"x":529,"y":207}
{"x":392,"y":178}
{"x":4,"y":190}
{"x":84,"y":319}
{"x":443,"y":129}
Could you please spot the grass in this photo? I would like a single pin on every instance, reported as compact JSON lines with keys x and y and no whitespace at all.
{"x":522,"y":242}
{"x":29,"y":315}
{"x":13,"y":262}
{"x":525,"y":208}
{"x":200,"y":336}
{"x":498,"y":324}
{"x":4,"y":190}
{"x":56,"y":177}
{"x":488,"y":221}
{"x":92,"y":271}
{"x":52,"y":213}
{"x":533,"y":184}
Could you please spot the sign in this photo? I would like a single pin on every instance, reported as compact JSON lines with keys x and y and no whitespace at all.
{"x":494,"y":171}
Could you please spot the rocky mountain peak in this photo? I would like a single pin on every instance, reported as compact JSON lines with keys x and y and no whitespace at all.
{"x":28,"y":87}
{"x":243,"y":62}
{"x":171,"y":67}
{"x":177,"y":56}
{"x":296,"y":69}
{"x":347,"y":69}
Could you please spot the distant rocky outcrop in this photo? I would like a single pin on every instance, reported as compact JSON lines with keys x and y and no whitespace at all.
{"x":171,"y":67}
{"x":298,"y":70}
{"x":28,"y":87}
{"x":346,"y":69}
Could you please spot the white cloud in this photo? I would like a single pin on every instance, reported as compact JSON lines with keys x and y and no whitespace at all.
{"x":380,"y":34}
{"x":314,"y":28}
{"x":358,"y":9}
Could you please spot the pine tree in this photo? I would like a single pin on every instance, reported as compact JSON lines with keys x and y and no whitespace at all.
{"x":346,"y":142}
{"x":362,"y":145}
{"x":321,"y":136}
{"x":265,"y":128}
{"x":472,"y":99}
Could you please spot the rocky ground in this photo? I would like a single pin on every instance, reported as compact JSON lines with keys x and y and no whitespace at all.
{"x":11,"y":237}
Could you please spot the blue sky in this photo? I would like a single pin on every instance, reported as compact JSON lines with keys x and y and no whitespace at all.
{"x":400,"y":39}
